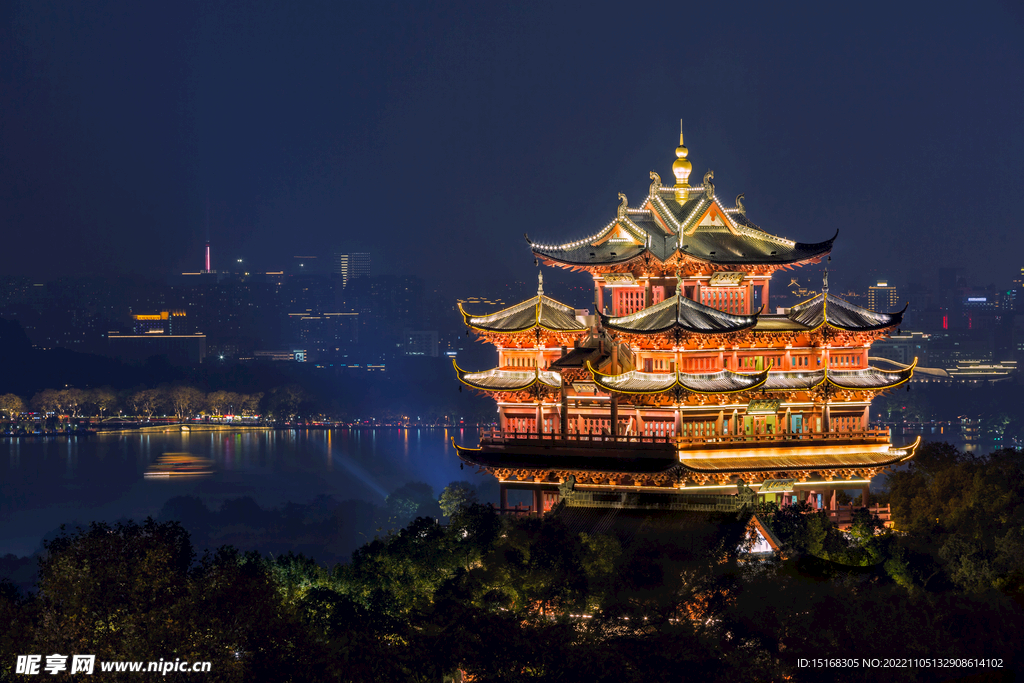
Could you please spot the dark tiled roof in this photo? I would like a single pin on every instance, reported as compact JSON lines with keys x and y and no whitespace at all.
{"x":540,"y":311}
{"x":863,"y":378}
{"x":721,"y":382}
{"x":744,"y":244}
{"x":826,"y":308}
{"x":792,"y":380}
{"x":678,"y":311}
{"x":580,"y":356}
{"x":775,"y":322}
{"x":871,"y":378}
{"x":661,"y":244}
{"x":719,"y":245}
{"x":677,"y":216}
{"x":607,"y":253}
{"x":636,"y":382}
{"x":496,"y":379}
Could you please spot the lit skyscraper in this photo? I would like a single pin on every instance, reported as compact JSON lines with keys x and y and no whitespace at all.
{"x":351,"y":266}
{"x":882,"y":297}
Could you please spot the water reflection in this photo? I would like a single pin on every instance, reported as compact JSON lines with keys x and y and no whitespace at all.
{"x":44,"y":483}
{"x":180,"y":465}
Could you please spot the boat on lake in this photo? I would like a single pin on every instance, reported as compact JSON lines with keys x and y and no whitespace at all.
{"x":179,"y":465}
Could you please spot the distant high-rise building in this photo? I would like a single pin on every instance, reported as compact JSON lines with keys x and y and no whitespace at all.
{"x":882,"y":297}
{"x":421,"y":343}
{"x":1017,"y":297}
{"x":351,"y":266}
{"x":164,"y":322}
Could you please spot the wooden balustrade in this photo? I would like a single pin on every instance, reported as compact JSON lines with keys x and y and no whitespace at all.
{"x":842,"y":516}
{"x":879,"y":435}
{"x":497,"y":436}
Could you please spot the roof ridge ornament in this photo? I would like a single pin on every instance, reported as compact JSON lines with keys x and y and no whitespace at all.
{"x":739,"y":204}
{"x":623,"y":205}
{"x":709,"y":187}
{"x":655,"y":184}
{"x":540,"y":283}
{"x":681,"y":168}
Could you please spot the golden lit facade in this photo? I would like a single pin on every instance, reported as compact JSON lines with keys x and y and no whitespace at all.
{"x":684,"y":378}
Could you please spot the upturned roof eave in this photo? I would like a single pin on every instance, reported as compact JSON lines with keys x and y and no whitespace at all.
{"x":467,"y":319}
{"x":907,"y":452}
{"x":609,"y":262}
{"x":678,"y":381}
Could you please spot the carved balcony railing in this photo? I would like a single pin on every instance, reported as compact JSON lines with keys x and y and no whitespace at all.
{"x":842,"y":515}
{"x":582,"y":440}
{"x":602,"y":440}
{"x":858,"y":436}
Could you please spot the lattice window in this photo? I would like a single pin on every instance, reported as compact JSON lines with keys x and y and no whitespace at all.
{"x":700,"y":429}
{"x":727,"y":299}
{"x":521,"y":425}
{"x":628,"y":301}
{"x":659,"y":427}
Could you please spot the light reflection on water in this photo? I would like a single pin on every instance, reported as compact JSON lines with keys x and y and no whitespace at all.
{"x":48,"y":482}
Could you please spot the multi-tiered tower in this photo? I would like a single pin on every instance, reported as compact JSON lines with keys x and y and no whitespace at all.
{"x":684,"y":380}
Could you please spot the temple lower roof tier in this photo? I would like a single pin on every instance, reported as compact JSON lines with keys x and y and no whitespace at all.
{"x":722,"y":382}
{"x":540,"y":311}
{"x":825,"y":309}
{"x":793,"y":456}
{"x":679,"y":312}
{"x":637,"y":382}
{"x":725,"y":381}
{"x":497,"y":379}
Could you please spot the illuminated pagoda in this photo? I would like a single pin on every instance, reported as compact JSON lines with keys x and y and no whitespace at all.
{"x":683,"y":381}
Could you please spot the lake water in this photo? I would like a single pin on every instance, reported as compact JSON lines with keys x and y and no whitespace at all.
{"x":48,"y":482}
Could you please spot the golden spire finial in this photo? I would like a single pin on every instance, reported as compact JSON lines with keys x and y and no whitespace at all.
{"x":540,"y":282}
{"x":681,"y":168}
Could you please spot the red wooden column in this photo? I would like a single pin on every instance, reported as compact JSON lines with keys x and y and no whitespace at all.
{"x":504,"y":496}
{"x":538,"y":501}
{"x":615,"y":414}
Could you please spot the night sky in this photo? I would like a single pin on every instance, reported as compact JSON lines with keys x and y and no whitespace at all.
{"x":435,"y":134}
